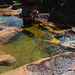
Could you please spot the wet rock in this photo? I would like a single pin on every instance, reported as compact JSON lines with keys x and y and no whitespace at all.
{"x":12,"y":12}
{"x":8,"y":33}
{"x":67,"y":35}
{"x":9,"y":12}
{"x":56,"y":65}
{"x":7,"y":60}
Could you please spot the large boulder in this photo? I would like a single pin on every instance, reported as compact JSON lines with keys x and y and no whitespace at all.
{"x":61,"y":11}
{"x":56,"y":65}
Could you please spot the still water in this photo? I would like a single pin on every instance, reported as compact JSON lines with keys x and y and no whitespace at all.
{"x":26,"y":46}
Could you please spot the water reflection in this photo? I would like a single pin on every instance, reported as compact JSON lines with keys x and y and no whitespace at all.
{"x":12,"y":21}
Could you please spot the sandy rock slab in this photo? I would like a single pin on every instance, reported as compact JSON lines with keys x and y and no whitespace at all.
{"x":62,"y":64}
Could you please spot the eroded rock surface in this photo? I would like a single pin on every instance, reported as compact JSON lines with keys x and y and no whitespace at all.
{"x":56,"y":65}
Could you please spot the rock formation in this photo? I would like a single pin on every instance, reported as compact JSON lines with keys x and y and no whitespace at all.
{"x":56,"y":65}
{"x":61,"y":11}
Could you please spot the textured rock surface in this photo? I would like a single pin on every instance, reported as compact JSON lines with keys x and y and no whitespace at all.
{"x":56,"y":65}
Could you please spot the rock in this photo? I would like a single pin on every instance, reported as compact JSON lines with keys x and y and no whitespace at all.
{"x":67,"y":35}
{"x":61,"y":11}
{"x":8,"y":33}
{"x":7,"y":60}
{"x":9,"y":12}
{"x":69,"y":73}
{"x":31,"y":1}
{"x":56,"y":65}
{"x":44,"y":16}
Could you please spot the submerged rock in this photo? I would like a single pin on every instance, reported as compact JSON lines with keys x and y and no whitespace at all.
{"x":7,"y":60}
{"x":56,"y":65}
{"x":2,"y":52}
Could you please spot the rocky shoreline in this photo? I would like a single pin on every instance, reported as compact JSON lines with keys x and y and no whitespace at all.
{"x":57,"y":65}
{"x":62,"y":64}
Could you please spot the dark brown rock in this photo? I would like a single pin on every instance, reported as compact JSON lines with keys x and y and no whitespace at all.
{"x":61,"y":11}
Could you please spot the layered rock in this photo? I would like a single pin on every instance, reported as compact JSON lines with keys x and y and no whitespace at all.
{"x":56,"y":65}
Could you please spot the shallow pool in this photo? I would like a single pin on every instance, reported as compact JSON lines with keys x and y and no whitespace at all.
{"x":27,"y":46}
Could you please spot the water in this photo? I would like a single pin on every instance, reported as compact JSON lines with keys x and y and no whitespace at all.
{"x":27,"y":47}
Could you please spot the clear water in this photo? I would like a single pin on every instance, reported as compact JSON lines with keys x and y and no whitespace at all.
{"x":27,"y":47}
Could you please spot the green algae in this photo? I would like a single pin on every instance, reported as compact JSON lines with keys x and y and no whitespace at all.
{"x":25,"y":49}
